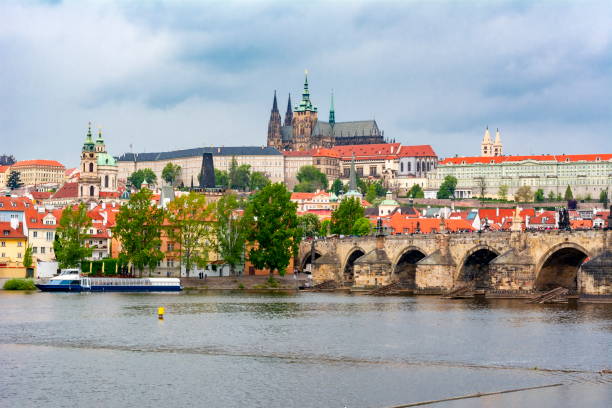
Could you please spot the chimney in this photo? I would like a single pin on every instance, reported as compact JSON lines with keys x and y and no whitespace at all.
{"x":497,"y":212}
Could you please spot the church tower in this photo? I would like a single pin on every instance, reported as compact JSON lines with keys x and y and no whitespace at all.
{"x":107,"y":167}
{"x":497,"y":145}
{"x":274,"y":126}
{"x":332,"y":112}
{"x":304,"y":120}
{"x":486,"y":147}
{"x":289,"y":113}
{"x":89,"y":182}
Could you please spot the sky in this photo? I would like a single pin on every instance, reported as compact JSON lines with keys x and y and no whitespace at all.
{"x":163,"y":75}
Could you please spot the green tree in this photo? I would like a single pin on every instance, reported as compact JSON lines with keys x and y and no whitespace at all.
{"x":27,"y":258}
{"x":559,"y":197}
{"x":325,"y":226}
{"x":14,"y":180}
{"x":481,"y":186}
{"x":310,"y":224}
{"x":538,"y":196}
{"x":361,"y":227}
{"x":230,"y":231}
{"x":239,"y":175}
{"x":523,"y":194}
{"x":344,"y":217}
{"x":140,"y":176}
{"x":337,"y":186}
{"x":190,"y":219}
{"x":170,"y":173}
{"x":305,"y":187}
{"x":371,"y":194}
{"x":258,"y":181}
{"x":568,"y":194}
{"x":273,"y":233}
{"x":138,"y":227}
{"x":221,"y":178}
{"x":69,"y":245}
{"x":312,"y":175}
{"x":551,"y":196}
{"x":416,"y":192}
{"x":502,"y":192}
{"x":447,"y":188}
{"x":362,"y":186}
{"x":603,"y":197}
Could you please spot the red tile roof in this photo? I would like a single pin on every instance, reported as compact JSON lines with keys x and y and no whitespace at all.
{"x":363,"y":152}
{"x":15,"y":203}
{"x":41,"y":195}
{"x":12,"y":233}
{"x":109,"y":194}
{"x":491,"y":214}
{"x":400,"y":224}
{"x":35,"y":219}
{"x":417,"y":151}
{"x":316,"y":152}
{"x":38,"y":162}
{"x":68,"y":190}
{"x":302,"y":196}
{"x":4,"y":168}
{"x":510,"y":159}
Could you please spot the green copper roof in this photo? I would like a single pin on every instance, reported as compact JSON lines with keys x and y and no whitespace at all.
{"x":305,"y":104}
{"x":332,"y":113}
{"x":89,"y":144}
{"x":389,"y":202}
{"x":99,"y":140}
{"x":105,"y":159}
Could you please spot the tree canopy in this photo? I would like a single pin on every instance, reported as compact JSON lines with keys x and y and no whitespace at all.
{"x":230,"y":231}
{"x":7,"y":160}
{"x":337,"y":186}
{"x":273,"y":233}
{"x":140,"y":176}
{"x":170,"y":173}
{"x":523,"y":194}
{"x":447,"y":188}
{"x":344,"y":217}
{"x":258,"y":180}
{"x":361,"y":227}
{"x":502,"y":192}
{"x":568,"y":194}
{"x":14,"y":180}
{"x":538,"y":196}
{"x":310,"y":180}
{"x":416,"y":192}
{"x":69,"y":245}
{"x":310,"y":224}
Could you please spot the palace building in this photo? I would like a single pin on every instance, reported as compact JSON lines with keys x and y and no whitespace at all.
{"x":302,"y":129}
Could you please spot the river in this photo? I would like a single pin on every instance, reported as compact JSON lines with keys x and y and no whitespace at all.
{"x":298,"y":350}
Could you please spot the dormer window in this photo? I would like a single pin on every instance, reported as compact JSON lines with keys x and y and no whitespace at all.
{"x":567,"y":159}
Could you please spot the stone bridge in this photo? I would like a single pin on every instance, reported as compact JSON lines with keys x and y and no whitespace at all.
{"x":522,"y":261}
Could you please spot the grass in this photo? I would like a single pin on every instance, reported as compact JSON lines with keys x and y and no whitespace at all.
{"x":19,"y":284}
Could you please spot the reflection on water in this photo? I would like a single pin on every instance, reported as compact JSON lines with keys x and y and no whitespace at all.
{"x":306,"y":350}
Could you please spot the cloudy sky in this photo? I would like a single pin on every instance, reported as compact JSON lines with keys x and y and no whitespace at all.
{"x":163,"y":75}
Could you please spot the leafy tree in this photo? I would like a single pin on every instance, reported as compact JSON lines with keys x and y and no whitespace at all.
{"x":14,"y":180}
{"x":273,"y":233}
{"x":502,"y":193}
{"x":568,"y":194}
{"x":140,"y":176}
{"x":170,"y":173}
{"x":7,"y":160}
{"x":230,"y":231}
{"x":588,"y":197}
{"x":416,"y":192}
{"x":305,"y":187}
{"x":325,"y":227}
{"x":191,"y":228}
{"x":344,"y":217}
{"x":559,"y":197}
{"x":603,"y":197}
{"x":258,"y":181}
{"x":221,"y":178}
{"x":447,"y":188}
{"x":27,"y":258}
{"x":70,"y":237}
{"x":523,"y":194}
{"x":239,"y":176}
{"x":371,"y":194}
{"x":551,"y":196}
{"x":337,"y":186}
{"x":538,"y":196}
{"x":312,"y":175}
{"x":138,"y":227}
{"x":362,"y":186}
{"x":310,"y":224}
{"x":361,"y":227}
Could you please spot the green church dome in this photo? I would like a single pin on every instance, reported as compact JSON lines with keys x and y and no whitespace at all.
{"x":105,"y":159}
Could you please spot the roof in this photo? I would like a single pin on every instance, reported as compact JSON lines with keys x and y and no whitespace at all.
{"x":41,"y":195}
{"x":316,"y":152}
{"x":38,"y":162}
{"x":510,"y":159}
{"x":339,"y":130}
{"x":401,"y":223}
{"x":3,"y":169}
{"x":417,"y":151}
{"x":105,"y":159}
{"x":198,"y":151}
{"x":362,"y":152}
{"x":15,"y":203}
{"x":35,"y":219}
{"x":68,"y":190}
{"x":12,"y":233}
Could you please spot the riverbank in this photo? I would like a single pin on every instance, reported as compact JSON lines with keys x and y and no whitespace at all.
{"x":248,"y":283}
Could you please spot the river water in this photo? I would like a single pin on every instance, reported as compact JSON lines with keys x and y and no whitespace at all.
{"x":298,"y":350}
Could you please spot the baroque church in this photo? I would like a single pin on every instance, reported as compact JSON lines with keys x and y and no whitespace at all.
{"x":302,"y":129}
{"x":98,"y":178}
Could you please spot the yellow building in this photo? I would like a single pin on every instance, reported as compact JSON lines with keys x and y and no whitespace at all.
{"x":13,"y":243}
{"x":35,"y":172}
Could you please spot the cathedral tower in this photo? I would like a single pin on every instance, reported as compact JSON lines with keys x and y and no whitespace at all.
{"x":486,"y":147}
{"x":304,"y":120}
{"x":274,"y":126}
{"x":289,"y":113}
{"x":497,"y":145}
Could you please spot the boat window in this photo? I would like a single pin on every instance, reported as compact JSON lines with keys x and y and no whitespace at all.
{"x":75,"y":282}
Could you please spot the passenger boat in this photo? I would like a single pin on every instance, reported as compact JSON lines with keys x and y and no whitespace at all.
{"x":70,"y":280}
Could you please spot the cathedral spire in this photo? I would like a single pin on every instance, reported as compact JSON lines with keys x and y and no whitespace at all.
{"x":274,"y":104}
{"x":332,"y":113}
{"x":305,"y":103}
{"x":289,"y":113}
{"x":274,"y":125}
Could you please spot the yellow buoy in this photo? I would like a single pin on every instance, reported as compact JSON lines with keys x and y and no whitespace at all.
{"x":160,"y":313}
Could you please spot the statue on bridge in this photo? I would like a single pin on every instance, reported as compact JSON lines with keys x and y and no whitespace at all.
{"x":564,"y":220}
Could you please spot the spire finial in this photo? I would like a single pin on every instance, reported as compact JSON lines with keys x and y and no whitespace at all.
{"x":332,"y":113}
{"x":274,"y":104}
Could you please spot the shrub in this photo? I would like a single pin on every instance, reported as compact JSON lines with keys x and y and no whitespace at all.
{"x":272,"y":283}
{"x":19,"y":284}
{"x":240,"y":286}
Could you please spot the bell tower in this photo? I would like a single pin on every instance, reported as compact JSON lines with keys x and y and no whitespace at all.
{"x":304,"y":120}
{"x":89,"y":182}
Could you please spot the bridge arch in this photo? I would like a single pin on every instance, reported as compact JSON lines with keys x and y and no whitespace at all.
{"x":349,"y":264}
{"x":559,"y":266}
{"x":474,"y":267}
{"x":404,"y":265}
{"x":308,"y":259}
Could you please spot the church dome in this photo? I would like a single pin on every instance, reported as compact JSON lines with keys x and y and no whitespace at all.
{"x":105,"y":159}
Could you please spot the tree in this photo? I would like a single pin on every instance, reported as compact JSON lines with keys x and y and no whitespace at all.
{"x":258,"y":181}
{"x":603,"y":197}
{"x":559,"y":197}
{"x":312,"y":175}
{"x":27,"y":258}
{"x":447,"y":188}
{"x":138,"y":227}
{"x":170,"y":173}
{"x":344,"y":217}
{"x":337,"y":186}
{"x":371,"y":194}
{"x":7,"y":160}
{"x":305,"y":187}
{"x":221,"y":178}
{"x":191,"y":228}
{"x":523,"y":194}
{"x":310,"y":224}
{"x":69,"y":245}
{"x":416,"y":192}
{"x":140,"y":176}
{"x":568,"y":194}
{"x":230,"y":231}
{"x":325,"y":226}
{"x":362,"y":227}
{"x":502,"y":193}
{"x":551,"y":196}
{"x":273,"y":230}
{"x":481,"y":186}
{"x":538,"y":196}
{"x":239,"y":176}
{"x":14,"y":180}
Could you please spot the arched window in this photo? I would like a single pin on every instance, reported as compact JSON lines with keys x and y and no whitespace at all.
{"x":409,"y":166}
{"x":82,"y":187}
{"x":91,"y":167}
{"x":402,"y":167}
{"x":92,"y":191}
{"x":106,"y":181}
{"x":418,"y":167}
{"x":83,"y":167}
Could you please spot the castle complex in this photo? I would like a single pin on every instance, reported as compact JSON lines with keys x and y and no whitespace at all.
{"x":302,"y":129}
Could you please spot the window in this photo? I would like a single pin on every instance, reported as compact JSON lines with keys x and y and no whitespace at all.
{"x":170,"y":263}
{"x":170,"y":246}
{"x":106,"y":181}
{"x":50,"y":236}
{"x":34,"y":250}
{"x":7,"y":232}
{"x":19,"y":255}
{"x":19,"y":244}
{"x":42,"y":250}
{"x":35,"y":234}
{"x":92,"y":191}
